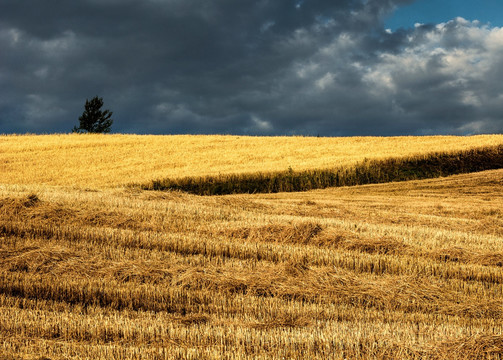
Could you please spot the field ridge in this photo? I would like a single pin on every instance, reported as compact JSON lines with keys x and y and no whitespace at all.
{"x":432,"y":165}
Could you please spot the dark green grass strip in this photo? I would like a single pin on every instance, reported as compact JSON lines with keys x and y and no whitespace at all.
{"x":366,"y":172}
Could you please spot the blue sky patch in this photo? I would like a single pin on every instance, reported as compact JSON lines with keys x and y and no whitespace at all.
{"x":434,"y":11}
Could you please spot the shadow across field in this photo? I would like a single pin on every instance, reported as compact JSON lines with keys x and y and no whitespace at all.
{"x":366,"y":172}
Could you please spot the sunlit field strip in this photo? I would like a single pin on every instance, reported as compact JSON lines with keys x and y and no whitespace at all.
{"x":100,"y":161}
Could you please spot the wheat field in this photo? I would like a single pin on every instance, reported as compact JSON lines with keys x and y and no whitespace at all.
{"x":409,"y":270}
{"x":98,"y":161}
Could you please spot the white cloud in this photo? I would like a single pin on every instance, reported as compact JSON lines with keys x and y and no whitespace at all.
{"x":304,"y":71}
{"x":261,"y":125}
{"x":63,"y":44}
{"x":326,"y":81}
{"x":42,"y":73}
{"x":266,"y":26}
{"x":11,"y":36}
{"x":470,"y":59}
{"x":494,"y":39}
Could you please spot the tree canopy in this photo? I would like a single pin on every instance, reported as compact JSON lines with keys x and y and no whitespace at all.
{"x":93,"y":119}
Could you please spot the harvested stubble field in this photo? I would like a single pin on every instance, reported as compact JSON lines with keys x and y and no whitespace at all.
{"x":409,"y":270}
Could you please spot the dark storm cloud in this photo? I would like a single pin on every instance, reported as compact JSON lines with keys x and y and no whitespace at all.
{"x":252,"y":67}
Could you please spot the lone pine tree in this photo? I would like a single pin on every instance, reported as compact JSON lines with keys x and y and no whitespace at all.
{"x":93,"y":120}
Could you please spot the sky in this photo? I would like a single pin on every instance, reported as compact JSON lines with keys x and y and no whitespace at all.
{"x":436,"y":12}
{"x":254,"y":67}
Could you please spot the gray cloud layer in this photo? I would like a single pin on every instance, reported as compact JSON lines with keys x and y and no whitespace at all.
{"x":246,"y":67}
